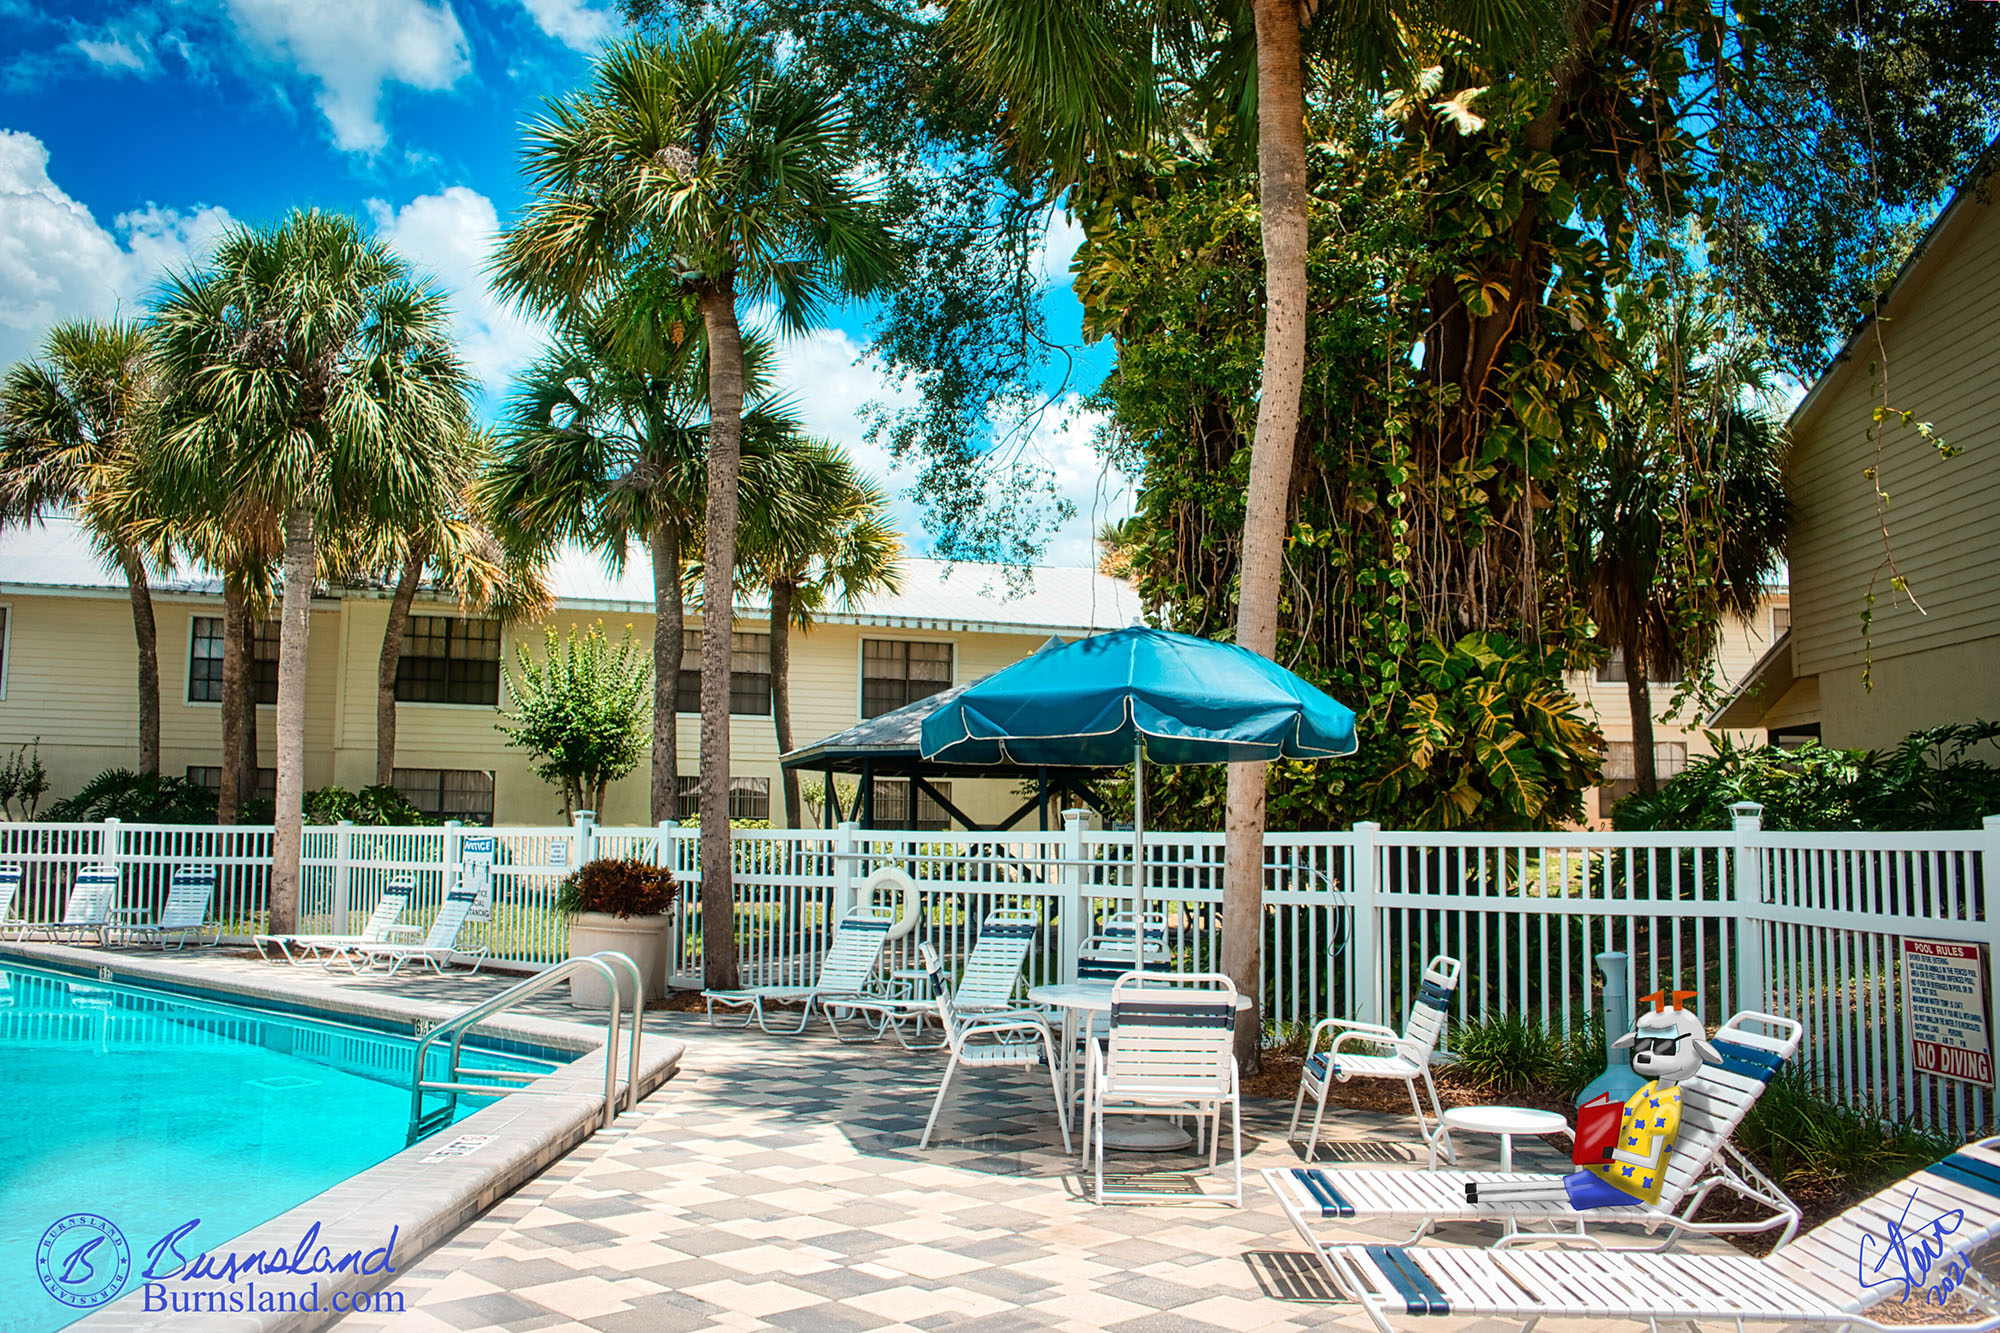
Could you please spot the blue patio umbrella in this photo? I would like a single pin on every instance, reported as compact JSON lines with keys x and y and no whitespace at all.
{"x":1135,"y":695}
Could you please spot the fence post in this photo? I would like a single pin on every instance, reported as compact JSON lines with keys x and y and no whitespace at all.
{"x":1365,"y":981}
{"x":1747,"y":891}
{"x":343,"y":853}
{"x":1989,"y":879}
{"x":845,"y":856}
{"x":1071,"y":900}
{"x":586,"y":838}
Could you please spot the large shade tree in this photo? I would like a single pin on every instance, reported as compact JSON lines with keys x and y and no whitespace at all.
{"x":320,"y":369}
{"x":696,"y":160}
{"x":77,"y":428}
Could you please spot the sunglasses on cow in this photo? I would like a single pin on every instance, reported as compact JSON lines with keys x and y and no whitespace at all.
{"x":1656,"y":1045}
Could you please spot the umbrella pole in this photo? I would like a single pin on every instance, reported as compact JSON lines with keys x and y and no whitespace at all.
{"x":1139,"y":854}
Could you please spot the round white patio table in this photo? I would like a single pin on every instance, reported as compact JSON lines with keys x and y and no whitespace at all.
{"x":1506,"y":1121}
{"x":1126,"y":1133}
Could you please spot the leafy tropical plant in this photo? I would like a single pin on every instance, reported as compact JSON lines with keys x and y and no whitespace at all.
{"x":77,"y":429}
{"x":377,"y":806}
{"x":316,"y":380}
{"x":136,"y":798}
{"x":582,"y":713}
{"x":1520,"y":1054}
{"x":698,"y":164}
{"x":622,"y":887}
{"x":1945,"y":777}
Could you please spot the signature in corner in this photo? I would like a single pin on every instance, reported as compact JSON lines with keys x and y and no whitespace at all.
{"x":1912,"y":1250}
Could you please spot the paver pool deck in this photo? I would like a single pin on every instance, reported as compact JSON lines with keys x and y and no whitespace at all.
{"x":775,"y":1182}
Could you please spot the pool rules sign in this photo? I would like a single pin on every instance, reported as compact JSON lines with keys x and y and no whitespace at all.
{"x":1944,"y":994}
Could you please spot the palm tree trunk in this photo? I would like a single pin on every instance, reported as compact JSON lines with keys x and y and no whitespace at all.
{"x":781,"y":688}
{"x":294,"y":624}
{"x":725,"y":464}
{"x":148,"y":635}
{"x":1639,"y":695}
{"x":230,"y":796}
{"x":1281,"y":176}
{"x":669,"y":634}
{"x":392,"y":655}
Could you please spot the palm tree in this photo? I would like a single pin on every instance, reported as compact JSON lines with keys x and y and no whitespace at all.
{"x":322,"y":372}
{"x":701,"y":166}
{"x":832,"y":547}
{"x":76,"y":432}
{"x":1683,"y":509}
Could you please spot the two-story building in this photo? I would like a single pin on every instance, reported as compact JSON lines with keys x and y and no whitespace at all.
{"x":68,"y":676}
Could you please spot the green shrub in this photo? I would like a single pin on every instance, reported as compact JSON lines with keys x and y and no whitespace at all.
{"x":622,"y":887}
{"x":1516,"y":1054}
{"x":1824,"y":1150}
{"x":136,"y":798}
{"x":375,"y":806}
{"x":23,"y":782}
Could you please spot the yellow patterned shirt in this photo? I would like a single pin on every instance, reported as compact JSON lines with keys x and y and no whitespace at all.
{"x":1652,"y":1115}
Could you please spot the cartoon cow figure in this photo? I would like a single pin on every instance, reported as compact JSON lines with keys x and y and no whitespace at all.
{"x":1669,"y":1045}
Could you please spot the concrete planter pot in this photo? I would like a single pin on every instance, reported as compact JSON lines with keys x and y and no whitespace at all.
{"x":643,"y":939}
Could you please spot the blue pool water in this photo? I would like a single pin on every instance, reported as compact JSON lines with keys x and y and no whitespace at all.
{"x":150,"y":1109}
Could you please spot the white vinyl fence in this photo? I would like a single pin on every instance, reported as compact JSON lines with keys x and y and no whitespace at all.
{"x":1809,"y":925}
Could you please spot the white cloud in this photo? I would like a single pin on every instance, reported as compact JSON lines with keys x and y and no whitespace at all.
{"x":57,"y":262}
{"x":353,"y":49}
{"x":450,"y":235}
{"x":1059,"y":242}
{"x":829,"y":378}
{"x":574,"y":23}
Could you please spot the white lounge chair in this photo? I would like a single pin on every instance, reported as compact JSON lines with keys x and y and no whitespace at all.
{"x":988,"y":1038}
{"x":1714,"y":1101}
{"x":1409,"y":1061}
{"x":380,"y":926}
{"x":1170,"y":1050}
{"x":438,"y":949}
{"x":847,"y":973}
{"x":10,"y":888}
{"x":88,"y":911}
{"x":1826,"y":1278}
{"x":186,"y":912}
{"x":992,"y":974}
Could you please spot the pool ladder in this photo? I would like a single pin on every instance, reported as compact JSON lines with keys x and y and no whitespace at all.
{"x":453,"y":1084}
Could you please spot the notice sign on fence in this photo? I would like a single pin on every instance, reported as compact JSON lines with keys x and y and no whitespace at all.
{"x":476,"y":865}
{"x":1944,"y":993}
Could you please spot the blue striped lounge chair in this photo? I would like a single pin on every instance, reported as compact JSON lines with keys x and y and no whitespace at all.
{"x":380,"y":926}
{"x":846,"y":974}
{"x":189,"y":894}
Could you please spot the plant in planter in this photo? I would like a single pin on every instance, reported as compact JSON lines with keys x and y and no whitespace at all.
{"x":624,"y":906}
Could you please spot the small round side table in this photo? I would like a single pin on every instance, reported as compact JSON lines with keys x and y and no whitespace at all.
{"x":1506,"y":1121}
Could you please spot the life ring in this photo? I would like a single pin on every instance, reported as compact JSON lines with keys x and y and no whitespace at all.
{"x":888,"y":877}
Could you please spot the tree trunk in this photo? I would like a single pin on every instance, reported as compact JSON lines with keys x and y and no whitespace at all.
{"x":1639,"y":695}
{"x":781,"y":688}
{"x":148,"y":635}
{"x":392,"y":655}
{"x":1281,"y":176}
{"x":233,"y":619}
{"x":725,"y":464}
{"x":294,"y":624}
{"x":668,"y":637}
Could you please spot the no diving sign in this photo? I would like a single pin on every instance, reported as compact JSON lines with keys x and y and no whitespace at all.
{"x":1944,"y":994}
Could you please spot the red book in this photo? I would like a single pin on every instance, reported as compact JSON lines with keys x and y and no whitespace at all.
{"x":1598,"y":1122}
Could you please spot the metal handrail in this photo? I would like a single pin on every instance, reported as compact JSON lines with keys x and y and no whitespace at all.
{"x":461,"y":1023}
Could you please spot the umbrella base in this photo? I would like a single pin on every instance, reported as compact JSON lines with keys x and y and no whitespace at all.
{"x":1145,"y":1134}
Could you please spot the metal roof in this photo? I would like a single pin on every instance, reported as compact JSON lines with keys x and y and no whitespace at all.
{"x":936,"y":594}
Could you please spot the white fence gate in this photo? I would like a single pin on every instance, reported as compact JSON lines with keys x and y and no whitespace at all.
{"x":1809,"y":925}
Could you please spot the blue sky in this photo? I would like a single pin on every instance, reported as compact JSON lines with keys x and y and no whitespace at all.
{"x":132,"y":133}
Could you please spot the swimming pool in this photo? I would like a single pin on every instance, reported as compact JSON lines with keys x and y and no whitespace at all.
{"x":151,"y":1109}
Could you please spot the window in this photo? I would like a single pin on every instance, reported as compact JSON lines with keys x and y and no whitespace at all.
{"x":749,"y":798}
{"x":464,"y":794}
{"x":895,"y":672}
{"x":1781,"y":620}
{"x":749,"y":676}
{"x":210,"y":776}
{"x":447,"y":660}
{"x":892,"y":805}
{"x":1613,"y":672}
{"x":205,"y":661}
{"x":1621,"y":776}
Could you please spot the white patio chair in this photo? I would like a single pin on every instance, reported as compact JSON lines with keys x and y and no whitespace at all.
{"x":438,"y":949}
{"x":1824,"y":1279}
{"x":1714,"y":1101}
{"x":1170,"y":1050}
{"x":1107,"y":955}
{"x":88,"y":910}
{"x":846,"y":973}
{"x":986,"y":1038}
{"x":1409,"y":1061}
{"x":380,"y":926}
{"x":186,"y":911}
